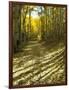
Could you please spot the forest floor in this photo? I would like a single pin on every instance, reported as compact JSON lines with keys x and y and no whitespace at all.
{"x":38,"y":64}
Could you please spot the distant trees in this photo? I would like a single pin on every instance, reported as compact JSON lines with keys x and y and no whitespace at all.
{"x":51,"y":25}
{"x":54,"y":18}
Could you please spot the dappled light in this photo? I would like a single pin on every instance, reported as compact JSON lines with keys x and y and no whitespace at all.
{"x":39,"y":35}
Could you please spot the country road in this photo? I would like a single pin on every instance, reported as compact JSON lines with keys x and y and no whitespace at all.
{"x":39,"y":64}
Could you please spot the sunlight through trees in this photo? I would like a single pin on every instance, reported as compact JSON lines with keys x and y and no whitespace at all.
{"x":39,"y":43}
